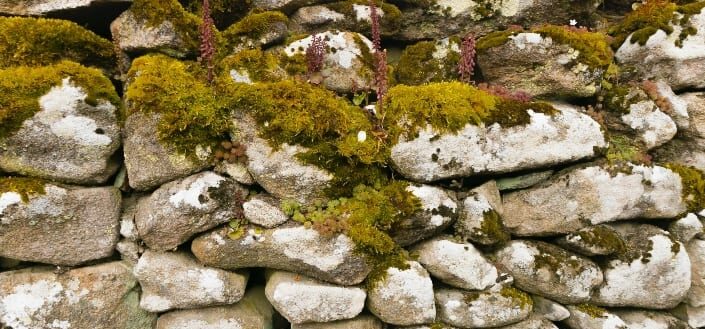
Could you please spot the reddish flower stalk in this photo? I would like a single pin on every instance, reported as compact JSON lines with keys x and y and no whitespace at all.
{"x":466,"y":65}
{"x":315,"y":54}
{"x":207,"y":47}
{"x":380,"y":59}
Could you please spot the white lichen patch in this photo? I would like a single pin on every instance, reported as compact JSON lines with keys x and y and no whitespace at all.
{"x":29,"y":305}
{"x":203,"y":324}
{"x":509,"y":8}
{"x":362,"y":13}
{"x":195,"y":190}
{"x":306,"y":245}
{"x":411,"y":288}
{"x":443,"y":48}
{"x":346,"y":52}
{"x":155,"y":302}
{"x":209,"y":281}
{"x":240,"y":76}
{"x":678,"y":106}
{"x":523,"y":40}
{"x":457,"y":264}
{"x":432,"y":198}
{"x":7,"y":199}
{"x":655,"y":127}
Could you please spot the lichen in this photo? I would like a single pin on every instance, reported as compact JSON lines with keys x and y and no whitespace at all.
{"x":24,"y":186}
{"x":190,"y":113}
{"x":40,"y":41}
{"x":602,"y":237}
{"x":254,"y":25}
{"x":593,"y":46}
{"x":592,"y":310}
{"x":492,"y":227}
{"x":693,"y":183}
{"x":553,"y":258}
{"x":521,"y":298}
{"x":155,"y":12}
{"x":260,"y":66}
{"x":22,"y":86}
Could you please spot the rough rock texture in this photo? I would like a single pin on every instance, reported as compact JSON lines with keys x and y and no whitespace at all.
{"x":549,"y":271}
{"x":593,"y":240}
{"x":586,"y":316}
{"x":549,"y":309}
{"x":345,"y":69}
{"x":696,"y":253}
{"x":534,"y":321}
{"x":660,"y":58}
{"x":480,"y":219}
{"x":68,"y":225}
{"x":592,"y":195}
{"x":301,"y":299}
{"x":289,"y":248}
{"x":133,"y":34}
{"x":151,"y":163}
{"x":264,"y":210}
{"x":547,"y":140}
{"x":654,"y":273}
{"x":649,"y":320}
{"x":457,"y":264}
{"x":44,"y":7}
{"x":99,"y":296}
{"x":252,"y":312}
{"x":67,"y":140}
{"x":404,"y":297}
{"x":237,"y":171}
{"x":482,"y":309}
{"x":360,"y":322}
{"x":653,"y":127}
{"x":539,"y":66}
{"x":694,"y":316}
{"x":439,"y":211}
{"x":686,"y":228}
{"x":179,"y":209}
{"x":172,"y":280}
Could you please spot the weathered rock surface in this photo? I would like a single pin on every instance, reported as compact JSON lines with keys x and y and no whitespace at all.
{"x":237,"y":171}
{"x":593,"y":240}
{"x":592,"y":195}
{"x":523,"y":181}
{"x":290,"y":248}
{"x":549,"y":271}
{"x":68,"y":225}
{"x":151,"y":163}
{"x":483,"y":309}
{"x":549,"y":309}
{"x":458,"y":264}
{"x":649,"y":320}
{"x":179,"y":209}
{"x":361,"y":322}
{"x":439,"y":211}
{"x":99,"y":296}
{"x":301,"y":299}
{"x":172,"y":280}
{"x":539,"y":66}
{"x":534,"y":321}
{"x":67,"y":140}
{"x":546,"y":140}
{"x":586,"y":316}
{"x":404,"y":297}
{"x":135,"y":34}
{"x":480,"y":218}
{"x":693,"y":315}
{"x":44,"y":7}
{"x":252,"y":312}
{"x":686,"y":228}
{"x":264,"y":210}
{"x":652,"y":125}
{"x":696,"y":253}
{"x":654,"y":273}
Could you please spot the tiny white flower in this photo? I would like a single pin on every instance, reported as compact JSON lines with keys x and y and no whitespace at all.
{"x":361,"y":136}
{"x":573,"y":22}
{"x":266,"y":123}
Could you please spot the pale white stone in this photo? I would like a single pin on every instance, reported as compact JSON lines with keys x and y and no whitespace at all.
{"x":7,"y":199}
{"x":196,"y":189}
{"x":343,"y":57}
{"x":362,"y":12}
{"x":29,"y":303}
{"x":655,"y":127}
{"x":405,"y":297}
{"x":521,"y":40}
{"x":361,"y":136}
{"x":297,"y":243}
{"x":457,"y":264}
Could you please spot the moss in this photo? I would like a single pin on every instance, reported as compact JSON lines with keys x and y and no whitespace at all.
{"x":592,"y":310}
{"x":157,"y":11}
{"x":254,"y":25}
{"x":22,"y":86}
{"x":223,"y":12}
{"x":623,"y":150}
{"x":553,"y":258}
{"x":417,"y":64}
{"x":602,"y":237}
{"x":693,"y":183}
{"x":521,"y":298}
{"x":593,"y":47}
{"x":40,"y":41}
{"x":191,"y":115}
{"x":492,"y":228}
{"x":259,"y":65}
{"x":294,"y":65}
{"x":494,"y":39}
{"x":23,"y":186}
{"x":390,"y":20}
{"x":617,"y":100}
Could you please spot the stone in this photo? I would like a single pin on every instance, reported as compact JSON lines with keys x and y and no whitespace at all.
{"x":311,"y":16}
{"x":344,"y":70}
{"x":301,"y":299}
{"x":654,"y":273}
{"x":128,"y":230}
{"x":439,"y":211}
{"x":134,"y":34}
{"x":523,"y":181}
{"x":289,"y":247}
{"x":68,"y":225}
{"x":361,"y":322}
{"x":286,"y":6}
{"x":549,"y":309}
{"x":129,"y":251}
{"x":696,"y":253}
{"x":585,"y":316}
{"x":693,"y":315}
{"x":474,"y":150}
{"x":637,"y":319}
{"x":661,"y":58}
{"x":686,"y":228}
{"x":490,"y":308}
{"x":549,"y":271}
{"x":540,"y":67}
{"x":67,"y":140}
{"x":98,"y":296}
{"x":534,"y":321}
{"x":653,"y":127}
{"x":457,"y":264}
{"x":480,"y":219}
{"x":404,"y":297}
{"x":276,"y":32}
{"x":172,"y":280}
{"x":429,"y":61}
{"x":264,"y":210}
{"x":252,"y":312}
{"x":151,"y":163}
{"x":45,"y":7}
{"x":593,"y":240}
{"x":695,"y":111}
{"x":237,"y":171}
{"x":177,"y":210}
{"x":593,"y":195}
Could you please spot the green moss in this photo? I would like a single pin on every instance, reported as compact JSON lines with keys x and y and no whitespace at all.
{"x":492,"y":227}
{"x":22,"y":86}
{"x":23,"y":186}
{"x":617,"y":100}
{"x":157,"y":11}
{"x":191,"y":115}
{"x":389,"y":21}
{"x":553,"y":258}
{"x":593,"y":47}
{"x":259,"y":65}
{"x":294,"y":65}
{"x":494,"y":39}
{"x":254,"y":25}
{"x":417,"y":65}
{"x":592,"y":310}
{"x":602,"y":237}
{"x":40,"y":41}
{"x":693,"y":183}
{"x":223,"y":12}
{"x":521,"y":298}
{"x":623,"y":150}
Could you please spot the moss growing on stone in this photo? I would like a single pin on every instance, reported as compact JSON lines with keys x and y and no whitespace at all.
{"x":593,"y":47}
{"x":492,"y":227}
{"x":258,"y":65}
{"x":602,"y":237}
{"x":39,"y":41}
{"x":418,"y":65}
{"x":294,"y":65}
{"x":553,"y":258}
{"x":390,"y":19}
{"x":22,"y":86}
{"x":521,"y":298}
{"x":494,"y":39}
{"x":693,"y":183}
{"x":254,"y":25}
{"x":155,"y":12}
{"x":24,"y":186}
{"x":592,"y":310}
{"x":190,"y":113}
{"x":623,"y":150}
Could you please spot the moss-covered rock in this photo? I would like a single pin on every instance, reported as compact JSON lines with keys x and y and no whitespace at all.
{"x":429,"y":61}
{"x":257,"y":29}
{"x":476,"y":309}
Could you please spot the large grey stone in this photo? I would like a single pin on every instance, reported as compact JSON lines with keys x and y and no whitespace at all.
{"x":439,"y":209}
{"x":172,"y":280}
{"x":264,"y":210}
{"x":179,"y":209}
{"x":68,"y":225}
{"x":99,"y":296}
{"x":292,"y":248}
{"x":403,"y":296}
{"x":44,"y":7}
{"x":136,"y":34}
{"x":364,"y":321}
{"x":637,"y":319}
{"x":490,"y":308}
{"x":550,"y":309}
{"x":547,"y":140}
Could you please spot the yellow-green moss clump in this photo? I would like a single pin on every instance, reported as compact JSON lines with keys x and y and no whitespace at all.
{"x":693,"y":183}
{"x":157,"y":11}
{"x":593,"y":47}
{"x":656,"y":15}
{"x":260,"y":66}
{"x":390,"y":18}
{"x":602,"y":237}
{"x":623,"y":150}
{"x":23,"y":186}
{"x":523,"y":299}
{"x":22,"y":86}
{"x":254,"y":25}
{"x":492,"y":227}
{"x":191,"y":114}
{"x":495,"y":39}
{"x":40,"y":41}
{"x":417,"y":64}
{"x":592,"y":310}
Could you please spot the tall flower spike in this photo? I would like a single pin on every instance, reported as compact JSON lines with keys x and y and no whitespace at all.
{"x":466,"y":65}
{"x":380,"y":59}
{"x":207,"y":47}
{"x":315,"y":54}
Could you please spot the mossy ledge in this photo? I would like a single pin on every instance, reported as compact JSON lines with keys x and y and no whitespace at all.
{"x":24,"y":186}
{"x":254,"y":25}
{"x":22,"y":86}
{"x":693,"y":181}
{"x":155,"y":12}
{"x":417,"y":64}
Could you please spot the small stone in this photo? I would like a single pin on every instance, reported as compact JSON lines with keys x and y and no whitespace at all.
{"x":653,"y":127}
{"x":593,"y":240}
{"x":686,"y":228}
{"x":585,"y":316}
{"x":403,"y":297}
{"x":238,"y":172}
{"x":129,"y":251}
{"x":490,"y":308}
{"x":264,"y":210}
{"x":134,"y":33}
{"x":638,"y":319}
{"x":480,"y":219}
{"x":550,"y":309}
{"x":523,"y":181}
{"x":439,"y":211}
